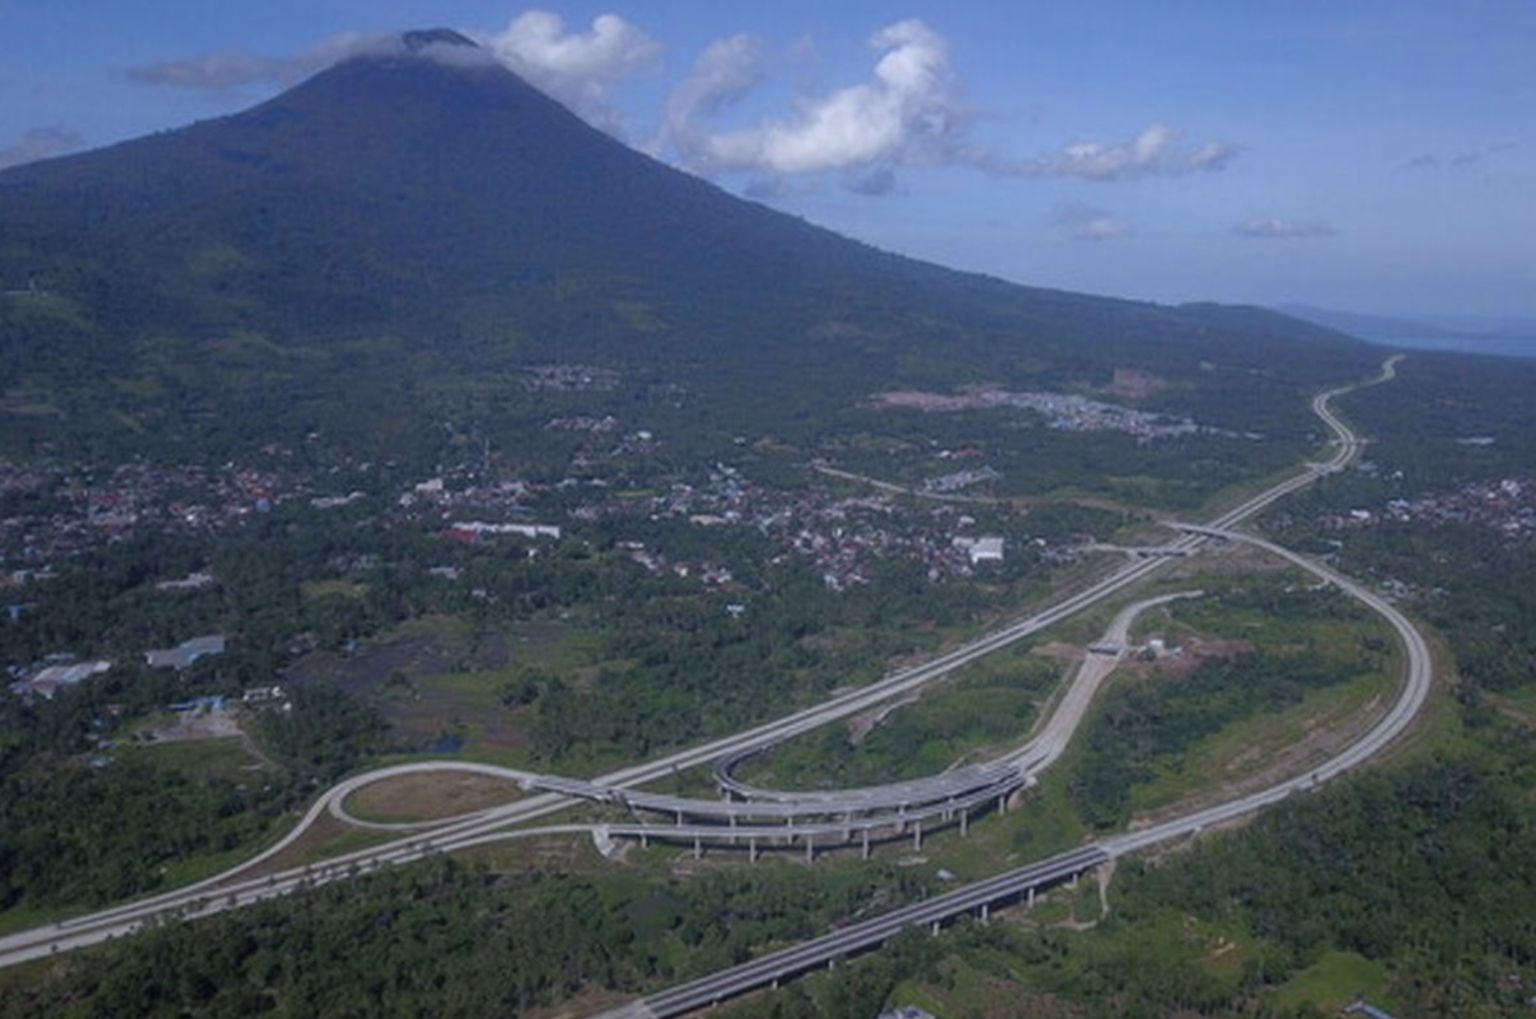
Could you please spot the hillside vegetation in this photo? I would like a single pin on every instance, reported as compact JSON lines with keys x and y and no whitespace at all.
{"x":373,"y":260}
{"x":480,"y":433}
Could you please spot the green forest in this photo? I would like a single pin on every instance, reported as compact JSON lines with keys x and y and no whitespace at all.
{"x":1412,"y":882}
{"x":470,"y":432}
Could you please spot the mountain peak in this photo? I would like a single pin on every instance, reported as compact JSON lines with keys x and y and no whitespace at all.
{"x":435,"y":45}
{"x":419,"y":39}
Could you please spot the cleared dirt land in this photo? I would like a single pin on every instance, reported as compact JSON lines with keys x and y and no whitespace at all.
{"x":430,"y":796}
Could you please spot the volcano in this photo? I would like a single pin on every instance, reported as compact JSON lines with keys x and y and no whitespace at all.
{"x":413,"y":225}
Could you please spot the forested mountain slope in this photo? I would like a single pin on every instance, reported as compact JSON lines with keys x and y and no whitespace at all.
{"x":395,"y":240}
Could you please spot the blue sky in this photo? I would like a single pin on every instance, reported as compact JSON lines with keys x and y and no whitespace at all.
{"x":1367,"y":155}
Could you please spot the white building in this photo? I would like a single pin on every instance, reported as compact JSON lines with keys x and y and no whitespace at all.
{"x":985,"y":549}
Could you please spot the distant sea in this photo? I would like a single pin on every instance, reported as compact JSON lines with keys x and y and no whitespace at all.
{"x":1502,"y":337}
{"x":1502,"y":345}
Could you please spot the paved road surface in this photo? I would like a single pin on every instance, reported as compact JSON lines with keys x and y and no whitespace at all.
{"x":238,"y":887}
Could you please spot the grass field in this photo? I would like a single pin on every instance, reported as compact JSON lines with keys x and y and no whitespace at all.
{"x":430,"y":796}
{"x":441,"y":686}
{"x":1287,"y":742}
{"x":231,"y":758}
{"x":1333,"y":981}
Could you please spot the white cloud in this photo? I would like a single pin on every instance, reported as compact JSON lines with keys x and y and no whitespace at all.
{"x":1156,"y":152}
{"x":1283,"y":228}
{"x":228,"y":71}
{"x":1088,"y":223}
{"x":727,"y":70}
{"x":39,"y":143}
{"x":909,"y":111}
{"x":579,"y":69}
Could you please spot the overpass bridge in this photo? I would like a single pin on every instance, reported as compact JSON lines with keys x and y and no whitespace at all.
{"x":769,"y":970}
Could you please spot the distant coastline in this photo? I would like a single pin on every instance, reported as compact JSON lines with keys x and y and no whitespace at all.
{"x":1489,"y":337}
{"x":1491,"y":346}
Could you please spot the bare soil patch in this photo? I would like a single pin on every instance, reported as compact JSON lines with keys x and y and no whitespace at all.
{"x":1059,"y":650}
{"x":430,"y":796}
{"x":1134,"y":384}
{"x":864,"y":722}
{"x":1198,"y":651}
{"x":194,"y":725}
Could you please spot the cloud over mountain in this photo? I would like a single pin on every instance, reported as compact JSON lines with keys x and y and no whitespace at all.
{"x":39,"y":143}
{"x":911,"y":109}
{"x":726,"y":71}
{"x":580,"y":69}
{"x":231,"y":70}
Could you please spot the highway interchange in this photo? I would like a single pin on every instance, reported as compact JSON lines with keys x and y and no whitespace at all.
{"x":752,"y":817}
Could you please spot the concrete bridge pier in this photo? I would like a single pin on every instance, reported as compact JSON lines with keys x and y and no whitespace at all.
{"x":965,"y":822}
{"x":752,"y":850}
{"x":698,"y":848}
{"x":864,"y":853}
{"x":917,"y":835}
{"x":810,"y":849}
